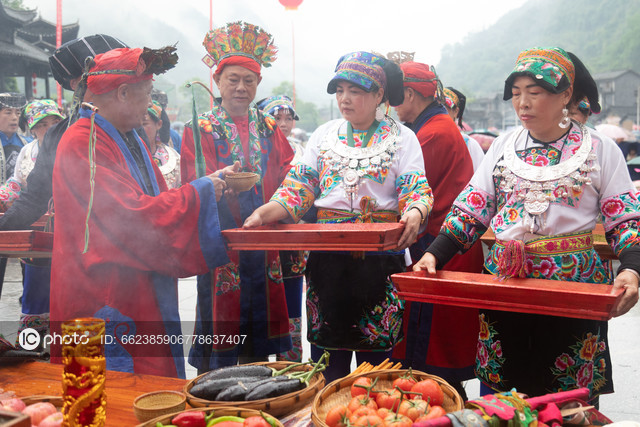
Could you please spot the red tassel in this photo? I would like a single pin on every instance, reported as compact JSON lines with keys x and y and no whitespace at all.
{"x":511,"y":261}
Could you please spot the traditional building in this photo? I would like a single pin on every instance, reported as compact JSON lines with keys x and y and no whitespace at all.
{"x":619,"y":94}
{"x":26,"y":41}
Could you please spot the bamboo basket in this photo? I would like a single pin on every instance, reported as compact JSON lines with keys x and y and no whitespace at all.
{"x":338,"y":392}
{"x":277,"y":406}
{"x":219,"y":411}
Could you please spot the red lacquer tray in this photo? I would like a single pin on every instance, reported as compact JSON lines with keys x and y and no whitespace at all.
{"x":539,"y":296}
{"x":26,"y":244}
{"x":326,"y":237}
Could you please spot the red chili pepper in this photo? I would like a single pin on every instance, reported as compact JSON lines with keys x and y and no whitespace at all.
{"x":190,"y":419}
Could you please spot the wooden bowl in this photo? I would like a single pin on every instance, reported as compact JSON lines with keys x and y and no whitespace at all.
{"x":219,"y":411}
{"x":242,"y":181}
{"x":277,"y":406}
{"x":338,"y":392}
{"x":158,"y":403}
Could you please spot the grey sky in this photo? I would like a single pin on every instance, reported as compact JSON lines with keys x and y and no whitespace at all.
{"x":324,"y":30}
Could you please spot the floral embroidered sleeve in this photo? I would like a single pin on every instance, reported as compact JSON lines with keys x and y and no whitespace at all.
{"x":621,"y":218}
{"x":413,"y":190}
{"x":9,"y":192}
{"x":298,"y":191}
{"x":469,"y":217}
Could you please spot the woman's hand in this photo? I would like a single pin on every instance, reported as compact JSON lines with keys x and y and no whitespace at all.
{"x":254,"y":220}
{"x":629,"y":282}
{"x":427,"y":262}
{"x":411,"y":220}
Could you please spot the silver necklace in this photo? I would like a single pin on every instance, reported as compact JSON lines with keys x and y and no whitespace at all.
{"x":352,"y":163}
{"x":538,"y":186}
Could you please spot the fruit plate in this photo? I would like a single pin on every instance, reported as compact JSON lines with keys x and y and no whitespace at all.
{"x":326,"y":237}
{"x":338,"y":392}
{"x":538,"y":296}
{"x":277,"y":406}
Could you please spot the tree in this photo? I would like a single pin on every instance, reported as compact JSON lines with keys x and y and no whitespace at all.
{"x":201,"y":95}
{"x":14,"y":4}
{"x":307,"y":111}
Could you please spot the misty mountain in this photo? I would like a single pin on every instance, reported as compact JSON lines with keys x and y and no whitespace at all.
{"x":604,"y":34}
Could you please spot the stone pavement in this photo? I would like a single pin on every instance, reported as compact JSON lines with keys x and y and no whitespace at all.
{"x":624,"y":339}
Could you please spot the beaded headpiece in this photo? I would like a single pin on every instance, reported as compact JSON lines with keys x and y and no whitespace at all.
{"x":12,"y":100}
{"x":242,"y":39}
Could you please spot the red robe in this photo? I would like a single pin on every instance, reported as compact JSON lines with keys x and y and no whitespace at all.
{"x":139,"y":243}
{"x":246,"y":296}
{"x":442,"y":339}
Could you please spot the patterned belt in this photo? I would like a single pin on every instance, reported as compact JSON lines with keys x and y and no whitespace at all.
{"x":512,"y":254}
{"x":559,"y":244}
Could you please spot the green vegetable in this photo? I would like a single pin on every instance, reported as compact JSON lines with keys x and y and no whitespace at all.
{"x":218,"y":420}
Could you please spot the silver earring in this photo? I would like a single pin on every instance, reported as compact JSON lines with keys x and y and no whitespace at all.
{"x":379,"y":114}
{"x":566,"y":121}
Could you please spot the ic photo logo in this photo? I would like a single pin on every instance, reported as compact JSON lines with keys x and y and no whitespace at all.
{"x":29,"y":339}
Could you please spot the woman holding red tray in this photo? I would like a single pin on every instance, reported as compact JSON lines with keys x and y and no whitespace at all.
{"x":365,"y":167}
{"x":542,"y":188}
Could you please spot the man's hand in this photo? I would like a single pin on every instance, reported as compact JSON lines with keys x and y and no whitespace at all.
{"x":629,"y":282}
{"x":254,"y":220}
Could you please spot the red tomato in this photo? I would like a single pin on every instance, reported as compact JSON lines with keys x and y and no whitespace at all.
{"x":357,"y":390}
{"x":394,"y":420}
{"x":431,"y":391}
{"x":357,"y":402}
{"x":369,"y":421}
{"x":383,"y":412}
{"x":255,"y":421}
{"x":413,"y":408}
{"x":338,"y":416}
{"x":434,"y":412}
{"x":389,"y":399}
{"x":361,"y":412}
{"x":405,"y":383}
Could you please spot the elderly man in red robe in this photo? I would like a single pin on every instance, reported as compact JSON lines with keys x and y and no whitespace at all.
{"x":121,"y":237}
{"x":439,"y":339}
{"x":242,"y":304}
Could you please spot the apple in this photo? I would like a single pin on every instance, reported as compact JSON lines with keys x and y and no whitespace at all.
{"x":14,"y":404}
{"x":39,"y":411}
{"x":53,"y":420}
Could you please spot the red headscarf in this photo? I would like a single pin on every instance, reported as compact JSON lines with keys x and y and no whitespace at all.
{"x":419,"y":77}
{"x":116,"y":67}
{"x":243,"y":61}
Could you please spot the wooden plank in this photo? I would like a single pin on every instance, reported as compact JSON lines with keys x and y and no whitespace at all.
{"x":40,"y":378}
{"x":26,"y":244}
{"x":599,"y":242}
{"x":539,"y":296}
{"x":327,"y":237}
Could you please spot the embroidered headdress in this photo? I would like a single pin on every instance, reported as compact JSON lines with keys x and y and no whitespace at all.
{"x":12,"y":100}
{"x":39,"y":109}
{"x":275,"y":103}
{"x":370,"y":71}
{"x":239,"y":43}
{"x":555,"y":70}
{"x":155,"y":111}
{"x":450,"y":98}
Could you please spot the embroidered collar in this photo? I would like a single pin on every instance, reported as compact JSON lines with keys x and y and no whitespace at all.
{"x":219,"y":123}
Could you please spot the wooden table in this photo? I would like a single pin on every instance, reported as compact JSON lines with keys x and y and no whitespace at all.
{"x":41,"y":378}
